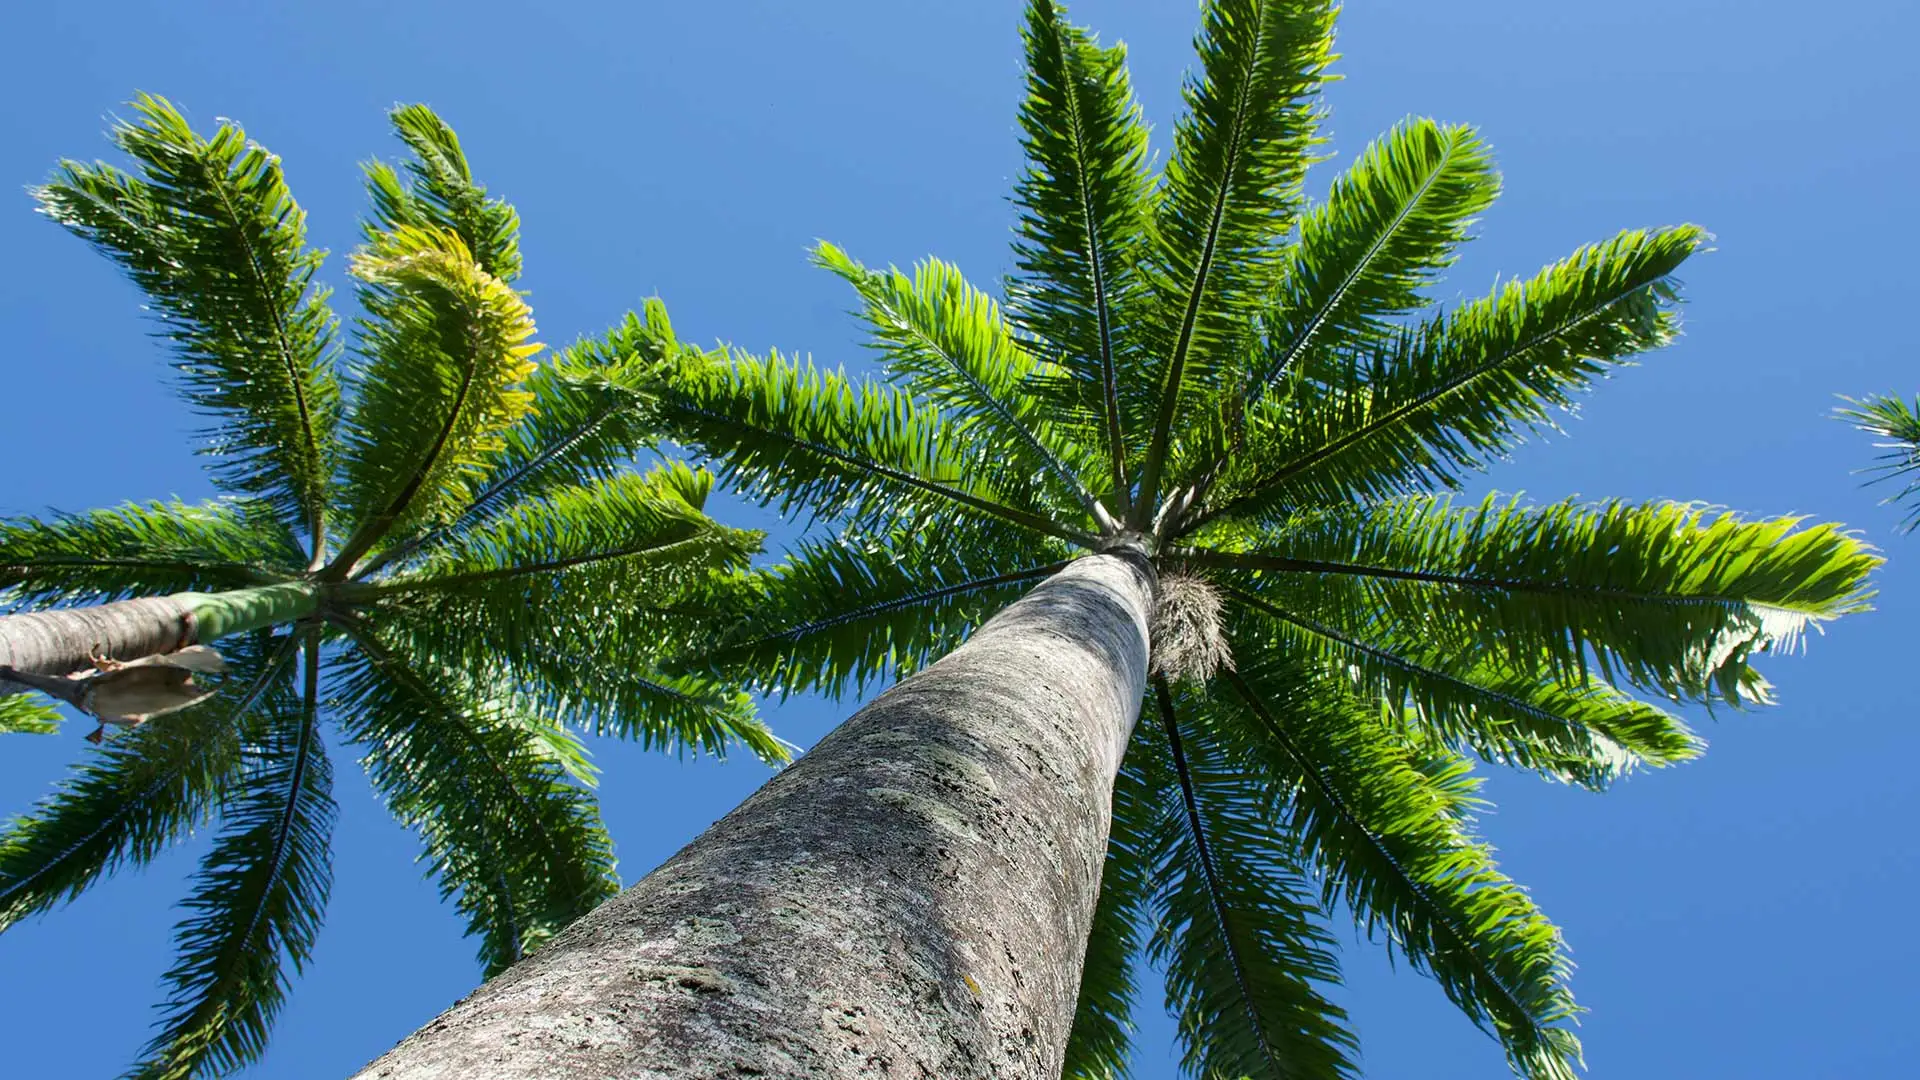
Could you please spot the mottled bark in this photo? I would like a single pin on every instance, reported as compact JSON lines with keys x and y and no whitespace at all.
{"x":61,"y":641}
{"x":911,"y":898}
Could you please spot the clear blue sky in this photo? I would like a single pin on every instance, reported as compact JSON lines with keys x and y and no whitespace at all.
{"x":1746,"y":916}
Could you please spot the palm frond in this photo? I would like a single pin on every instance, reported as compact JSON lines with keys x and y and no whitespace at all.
{"x":1578,"y":731}
{"x":504,"y":828}
{"x":144,"y":549}
{"x":255,"y":906}
{"x":1085,"y":200}
{"x":209,"y":231}
{"x":1670,"y":597}
{"x":445,"y":351}
{"x":873,"y":607}
{"x":141,"y":792}
{"x":1898,"y":422}
{"x":945,"y":342}
{"x":818,"y":442}
{"x":1230,"y":192}
{"x":1388,"y":829}
{"x":1458,"y":390}
{"x":1391,"y":222}
{"x":580,"y":598}
{"x":591,"y":416}
{"x":1238,"y":925}
{"x":26,"y":714}
{"x":439,"y":192}
{"x":643,"y":530}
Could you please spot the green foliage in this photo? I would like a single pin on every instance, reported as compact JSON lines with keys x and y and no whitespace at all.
{"x":1083,"y":200}
{"x":945,"y":342}
{"x":138,"y":795}
{"x":568,"y":595}
{"x":259,"y":895}
{"x":1256,"y":390}
{"x":870,"y":607}
{"x":1898,"y":422}
{"x":1669,"y":597}
{"x":505,"y":581}
{"x":144,"y":549}
{"x":1237,"y":922}
{"x":209,"y":232}
{"x":442,"y":194}
{"x":20,"y":713}
{"x":445,"y":353}
{"x":1388,"y":826}
{"x":1456,"y":391}
{"x":795,"y":436}
{"x":508,"y":832}
{"x":1392,"y":221}
{"x":1231,"y":191}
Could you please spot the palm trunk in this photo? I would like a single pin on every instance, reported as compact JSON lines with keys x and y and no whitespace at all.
{"x":63,"y":640}
{"x":909,"y":899}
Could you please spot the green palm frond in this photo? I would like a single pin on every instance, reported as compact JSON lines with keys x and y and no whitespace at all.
{"x":255,"y":905}
{"x":1580,"y":731}
{"x":140,"y":793}
{"x":1084,"y":201}
{"x":591,"y":416}
{"x":1390,"y":224}
{"x":945,"y":342}
{"x":582,"y":543}
{"x":144,"y":549}
{"x":582,"y":597}
{"x":796,"y":436}
{"x":441,"y":193}
{"x":1239,"y":925}
{"x":868,"y":607}
{"x":23,"y":714}
{"x":445,"y":352}
{"x":1459,"y":390}
{"x":209,"y":231}
{"x":1230,"y":192}
{"x":1898,"y":422}
{"x":504,"y":828}
{"x":1670,"y":597}
{"x":1388,"y":829}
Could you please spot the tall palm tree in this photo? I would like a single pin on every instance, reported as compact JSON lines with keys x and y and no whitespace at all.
{"x":1210,"y":419}
{"x":445,"y":535}
{"x":1898,"y":422}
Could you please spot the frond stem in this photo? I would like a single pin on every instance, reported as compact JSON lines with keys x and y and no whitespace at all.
{"x":1164,"y":698}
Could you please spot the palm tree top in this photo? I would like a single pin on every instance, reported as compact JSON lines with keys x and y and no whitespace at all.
{"x":1254,"y":393}
{"x":446,"y":530}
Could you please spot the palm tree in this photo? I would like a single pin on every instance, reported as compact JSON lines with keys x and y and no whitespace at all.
{"x":1210,"y":419}
{"x":445,"y":534}
{"x":1898,"y":422}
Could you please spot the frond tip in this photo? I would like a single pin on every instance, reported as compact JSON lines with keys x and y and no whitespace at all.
{"x":1898,"y":422}
{"x":1189,"y":641}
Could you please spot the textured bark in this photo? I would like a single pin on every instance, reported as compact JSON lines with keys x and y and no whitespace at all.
{"x":61,"y":641}
{"x":911,"y":898}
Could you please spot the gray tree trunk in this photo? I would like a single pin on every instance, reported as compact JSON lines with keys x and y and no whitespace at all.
{"x":911,"y":898}
{"x":60,"y":641}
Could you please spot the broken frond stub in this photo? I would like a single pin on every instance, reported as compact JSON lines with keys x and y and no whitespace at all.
{"x":1189,"y":643}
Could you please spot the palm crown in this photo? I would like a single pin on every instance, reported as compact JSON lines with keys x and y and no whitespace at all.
{"x":1254,"y":393}
{"x":446,"y":530}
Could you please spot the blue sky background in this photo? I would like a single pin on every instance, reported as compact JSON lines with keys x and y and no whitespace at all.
{"x":1747,"y":916}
